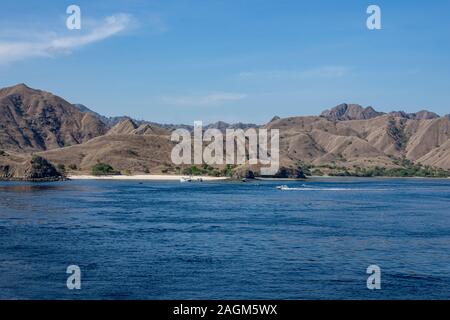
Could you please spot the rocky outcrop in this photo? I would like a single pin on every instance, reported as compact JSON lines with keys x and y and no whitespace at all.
{"x":424,"y":115}
{"x":148,"y":129}
{"x":129,"y":127}
{"x":222,"y":126}
{"x":243,"y":173}
{"x":27,"y":168}
{"x":6,"y":172}
{"x":421,"y":115}
{"x":290,"y":173}
{"x":39,"y":169}
{"x":126,"y":126}
{"x":345,"y":112}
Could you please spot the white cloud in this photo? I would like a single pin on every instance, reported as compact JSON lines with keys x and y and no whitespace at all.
{"x":213,"y":99}
{"x":50,"y":44}
{"x":320,"y":72}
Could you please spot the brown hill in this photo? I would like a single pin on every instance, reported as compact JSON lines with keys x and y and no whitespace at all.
{"x":348,"y":137}
{"x":33,"y":120}
{"x":380,"y":141}
{"x":421,"y":115}
{"x":345,"y":112}
{"x":126,"y":126}
{"x":438,"y":157}
{"x":304,"y":141}
{"x":128,"y":153}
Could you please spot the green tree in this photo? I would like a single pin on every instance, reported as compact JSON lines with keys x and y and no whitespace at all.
{"x":103,"y":169}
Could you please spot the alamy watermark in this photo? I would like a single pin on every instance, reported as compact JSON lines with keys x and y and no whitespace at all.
{"x":374,"y":280}
{"x":374,"y":20}
{"x":73,"y":21}
{"x":74,"y":280}
{"x":241,"y":147}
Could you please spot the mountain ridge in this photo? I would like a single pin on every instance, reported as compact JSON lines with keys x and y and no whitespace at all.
{"x":345,"y":112}
{"x":345,"y":139}
{"x":33,"y":119}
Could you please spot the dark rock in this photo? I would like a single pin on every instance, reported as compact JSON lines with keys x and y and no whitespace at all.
{"x":424,"y":115}
{"x":5,"y":172}
{"x":290,"y":173}
{"x":400,"y":114}
{"x":39,"y":169}
{"x":249,"y":174}
{"x":243,"y":174}
{"x":345,"y":112}
{"x":421,"y":115}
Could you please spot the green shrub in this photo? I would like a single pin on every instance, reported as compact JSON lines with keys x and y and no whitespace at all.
{"x":103,"y":169}
{"x":228,"y":171}
{"x":194,"y":171}
{"x":61,"y":168}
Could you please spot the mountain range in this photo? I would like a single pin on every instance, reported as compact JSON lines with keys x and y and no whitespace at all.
{"x":346,"y":139}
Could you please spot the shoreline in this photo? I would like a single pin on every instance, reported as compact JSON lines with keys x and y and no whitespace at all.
{"x":152,"y":177}
{"x":162,"y":177}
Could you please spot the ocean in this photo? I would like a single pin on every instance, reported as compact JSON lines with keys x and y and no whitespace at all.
{"x":226,"y":240}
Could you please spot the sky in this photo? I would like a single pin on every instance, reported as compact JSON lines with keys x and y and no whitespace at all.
{"x":179,"y":61}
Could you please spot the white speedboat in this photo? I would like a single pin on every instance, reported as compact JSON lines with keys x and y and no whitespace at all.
{"x":185,"y":179}
{"x":283,"y":187}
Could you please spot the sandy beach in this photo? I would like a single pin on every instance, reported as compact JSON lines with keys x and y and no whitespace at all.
{"x":160,"y":177}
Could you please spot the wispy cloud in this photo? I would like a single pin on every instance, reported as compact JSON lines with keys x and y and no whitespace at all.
{"x":213,"y":99}
{"x":319,"y":72}
{"x":51,"y":44}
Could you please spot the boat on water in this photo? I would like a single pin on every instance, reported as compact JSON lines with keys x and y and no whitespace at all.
{"x":190,"y":179}
{"x":283,"y":187}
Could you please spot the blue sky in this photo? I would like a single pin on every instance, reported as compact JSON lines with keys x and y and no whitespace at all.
{"x":235,"y":60}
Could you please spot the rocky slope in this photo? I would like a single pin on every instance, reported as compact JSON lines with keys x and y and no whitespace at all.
{"x":344,"y":112}
{"x":32,"y":120}
{"x":17,"y":167}
{"x":350,"y":112}
{"x":127,"y":149}
{"x":374,"y":142}
{"x":347,"y":138}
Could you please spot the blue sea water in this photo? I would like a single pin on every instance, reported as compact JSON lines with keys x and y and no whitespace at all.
{"x":226,"y":240}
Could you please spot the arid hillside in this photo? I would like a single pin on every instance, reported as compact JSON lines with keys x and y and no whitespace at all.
{"x":32,"y":120}
{"x":380,"y":141}
{"x":347,"y":139}
{"x":128,"y":150}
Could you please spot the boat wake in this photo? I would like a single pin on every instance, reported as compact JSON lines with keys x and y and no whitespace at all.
{"x":286,"y":188}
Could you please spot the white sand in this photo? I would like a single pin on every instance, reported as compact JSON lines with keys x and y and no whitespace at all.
{"x":145,"y":177}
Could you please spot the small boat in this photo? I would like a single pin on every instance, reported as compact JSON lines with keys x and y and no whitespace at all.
{"x":185,"y":179}
{"x":283,"y":187}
